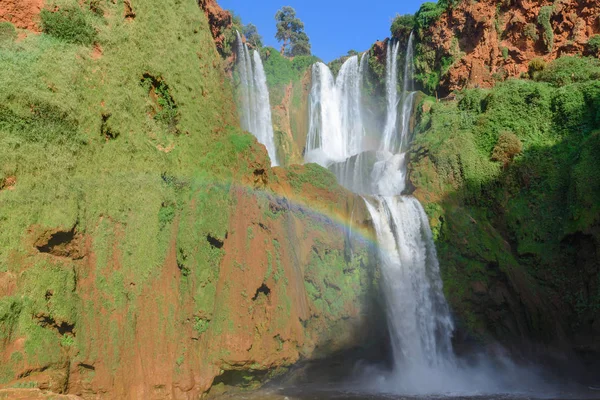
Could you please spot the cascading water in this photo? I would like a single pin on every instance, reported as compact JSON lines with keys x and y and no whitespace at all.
{"x":336,"y":129}
{"x":391,"y":81}
{"x":418,"y":315}
{"x":254,"y":98}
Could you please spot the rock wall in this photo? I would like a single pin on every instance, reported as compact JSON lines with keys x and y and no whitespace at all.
{"x":476,"y":44}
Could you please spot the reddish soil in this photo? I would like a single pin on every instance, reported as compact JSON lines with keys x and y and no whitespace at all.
{"x":22,"y":13}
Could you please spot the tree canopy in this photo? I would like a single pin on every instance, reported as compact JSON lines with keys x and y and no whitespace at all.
{"x":290,"y":31}
{"x":252,"y":35}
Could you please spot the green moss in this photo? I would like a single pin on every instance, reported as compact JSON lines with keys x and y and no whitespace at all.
{"x":84,"y":135}
{"x":312,"y":174}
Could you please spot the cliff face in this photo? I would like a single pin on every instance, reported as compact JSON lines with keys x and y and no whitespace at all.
{"x":149,"y":251}
{"x":477,"y":44}
{"x":509,"y":179}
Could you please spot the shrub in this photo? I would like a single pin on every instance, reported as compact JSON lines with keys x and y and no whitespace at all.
{"x":544,"y":20}
{"x":507,"y":147}
{"x":535,"y":66}
{"x":472,"y":100}
{"x":428,"y":14}
{"x":504,"y":51}
{"x":570,"y":69}
{"x":8,"y":33}
{"x":302,"y":63}
{"x":68,"y":24}
{"x":402,"y":25}
{"x":593,"y":45}
{"x":530,"y":31}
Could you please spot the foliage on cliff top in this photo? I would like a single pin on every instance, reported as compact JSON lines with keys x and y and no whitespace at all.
{"x":402,"y":25}
{"x":281,"y":71}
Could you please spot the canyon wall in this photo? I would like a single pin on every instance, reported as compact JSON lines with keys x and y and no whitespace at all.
{"x":148,"y":249}
{"x":465,"y":44}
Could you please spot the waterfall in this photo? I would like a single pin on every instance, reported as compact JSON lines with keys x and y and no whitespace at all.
{"x":408,"y":93}
{"x":418,"y":316}
{"x":391,"y":83}
{"x":336,"y":129}
{"x":255,"y":115}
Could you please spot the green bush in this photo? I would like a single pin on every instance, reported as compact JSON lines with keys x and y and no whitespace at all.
{"x":302,"y":63}
{"x":544,"y":20}
{"x":428,"y":14}
{"x":593,"y":45}
{"x":69,"y":24}
{"x":570,"y":69}
{"x":507,"y":147}
{"x":535,"y":66}
{"x":530,"y":31}
{"x":402,"y":25}
{"x":472,"y":100}
{"x":8,"y":33}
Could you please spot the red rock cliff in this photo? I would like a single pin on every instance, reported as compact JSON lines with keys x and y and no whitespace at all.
{"x":491,"y":41}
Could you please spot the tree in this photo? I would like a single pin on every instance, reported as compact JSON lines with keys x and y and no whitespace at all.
{"x":252,"y":35}
{"x":290,"y":31}
{"x":300,"y":45}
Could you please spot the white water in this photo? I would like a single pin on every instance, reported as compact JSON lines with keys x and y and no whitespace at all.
{"x":391,"y":82}
{"x":336,"y":129}
{"x":419,"y":319}
{"x":418,"y":315}
{"x":255,"y":107}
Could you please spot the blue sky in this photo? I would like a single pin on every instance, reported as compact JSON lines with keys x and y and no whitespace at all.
{"x":333,"y":26}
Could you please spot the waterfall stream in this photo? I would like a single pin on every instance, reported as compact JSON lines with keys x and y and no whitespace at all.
{"x":255,"y":110}
{"x":418,"y":315}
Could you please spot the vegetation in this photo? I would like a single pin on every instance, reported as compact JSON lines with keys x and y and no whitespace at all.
{"x":429,"y":13}
{"x":70,"y":24}
{"x":8,"y":33}
{"x":87,"y":141}
{"x":544,"y":21}
{"x":502,"y":174}
{"x":593,"y":45}
{"x":402,"y":25}
{"x":252,"y":36}
{"x":536,"y":66}
{"x":570,"y":69}
{"x":290,"y":31}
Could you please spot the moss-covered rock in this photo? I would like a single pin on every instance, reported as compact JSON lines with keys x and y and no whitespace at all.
{"x":517,"y":236}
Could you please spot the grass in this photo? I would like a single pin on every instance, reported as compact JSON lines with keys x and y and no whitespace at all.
{"x":70,"y":24}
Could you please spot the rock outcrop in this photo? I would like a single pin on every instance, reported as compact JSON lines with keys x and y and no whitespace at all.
{"x":219,"y":21}
{"x":23,"y":14}
{"x":476,"y":44}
